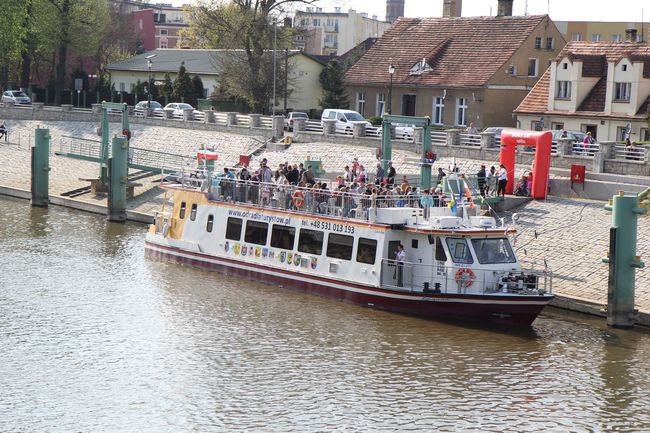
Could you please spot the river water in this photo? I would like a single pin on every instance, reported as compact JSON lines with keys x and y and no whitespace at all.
{"x":94,"y":337}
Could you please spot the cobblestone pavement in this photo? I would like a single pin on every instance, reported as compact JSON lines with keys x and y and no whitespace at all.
{"x":572,"y":235}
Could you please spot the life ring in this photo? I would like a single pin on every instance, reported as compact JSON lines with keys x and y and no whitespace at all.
{"x":298,"y":199}
{"x":465,"y":276}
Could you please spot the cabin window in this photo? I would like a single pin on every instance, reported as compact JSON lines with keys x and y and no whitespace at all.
{"x":489,"y":251}
{"x":310,"y":242}
{"x":256,"y":232}
{"x":441,"y":256}
{"x":181,"y":212}
{"x":366,"y":251}
{"x":283,"y":237}
{"x":459,"y":250}
{"x":210,"y":223}
{"x":233,"y":229}
{"x":193,"y":212}
{"x":339,"y":246}
{"x":414,"y":243}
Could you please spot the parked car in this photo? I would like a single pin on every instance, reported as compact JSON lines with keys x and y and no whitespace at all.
{"x":178,"y":107}
{"x":404,"y":132}
{"x":576,"y":136}
{"x":288,"y":121}
{"x":17,"y":96}
{"x":142,"y":106}
{"x":497,"y":130}
{"x":345,"y":119}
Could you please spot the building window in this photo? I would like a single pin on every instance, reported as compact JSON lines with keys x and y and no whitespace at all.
{"x":340,"y":246}
{"x":163,"y":43}
{"x":461,"y":111}
{"x":256,"y":232}
{"x":366,"y":251}
{"x":595,"y":37}
{"x":310,"y":242}
{"x":624,"y":68}
{"x":550,"y":44}
{"x":616,"y":38}
{"x":565,"y":66}
{"x":563,"y":90}
{"x":122,"y":87}
{"x":621,"y":133}
{"x":283,"y":237}
{"x":622,"y":91}
{"x":381,"y":104}
{"x":316,"y":22}
{"x":538,"y":43}
{"x":577,"y":37}
{"x":532,"y":67}
{"x":163,"y":32}
{"x":438,"y":110}
{"x":361,"y":102}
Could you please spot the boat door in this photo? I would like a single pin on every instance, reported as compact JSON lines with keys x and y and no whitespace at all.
{"x":439,"y":265}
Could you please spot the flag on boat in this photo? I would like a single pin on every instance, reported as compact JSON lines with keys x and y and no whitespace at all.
{"x":205,"y":154}
{"x":468,"y":194}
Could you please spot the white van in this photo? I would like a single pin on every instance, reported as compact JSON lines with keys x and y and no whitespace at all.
{"x":344,"y":119}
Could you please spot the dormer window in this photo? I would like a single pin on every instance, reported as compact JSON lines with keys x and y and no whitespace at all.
{"x":563,"y":90}
{"x":420,"y":67}
{"x":624,"y":68}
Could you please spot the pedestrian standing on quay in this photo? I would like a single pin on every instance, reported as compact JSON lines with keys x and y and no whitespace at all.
{"x":503,"y":181}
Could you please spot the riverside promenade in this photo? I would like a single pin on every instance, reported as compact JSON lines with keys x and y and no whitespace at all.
{"x":570,"y":235}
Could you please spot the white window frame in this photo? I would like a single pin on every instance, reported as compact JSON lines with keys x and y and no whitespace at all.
{"x":563,"y":90}
{"x":622,"y":92}
{"x":550,"y":43}
{"x":616,"y":38}
{"x":381,"y":104}
{"x":538,"y":42}
{"x":461,"y":111}
{"x":535,"y":68}
{"x":576,"y":37}
{"x":438,"y":110}
{"x":361,"y":102}
{"x":596,"y":37}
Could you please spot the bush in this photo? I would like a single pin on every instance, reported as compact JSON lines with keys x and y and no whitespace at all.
{"x":375,"y":120}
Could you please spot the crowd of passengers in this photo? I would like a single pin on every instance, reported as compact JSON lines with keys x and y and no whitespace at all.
{"x":296,"y":187}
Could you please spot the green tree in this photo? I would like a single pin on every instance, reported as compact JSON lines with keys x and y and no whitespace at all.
{"x":247,"y":28}
{"x":167,"y":88}
{"x":334,"y":93}
{"x":12,"y":20}
{"x":182,"y":87}
{"x":197,"y":85}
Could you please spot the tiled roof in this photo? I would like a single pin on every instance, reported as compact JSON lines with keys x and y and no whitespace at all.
{"x":612,"y":51}
{"x":462,"y":52}
{"x":595,"y":100}
{"x":537,"y":99}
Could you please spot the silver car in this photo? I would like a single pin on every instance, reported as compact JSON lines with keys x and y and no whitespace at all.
{"x":17,"y":96}
{"x":141,"y":107}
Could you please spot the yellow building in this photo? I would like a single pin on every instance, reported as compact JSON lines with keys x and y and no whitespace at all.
{"x":589,"y":31}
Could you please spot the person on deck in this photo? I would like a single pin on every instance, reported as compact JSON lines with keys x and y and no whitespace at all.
{"x":400,"y":257}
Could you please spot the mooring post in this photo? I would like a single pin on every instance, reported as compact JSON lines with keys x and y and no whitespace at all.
{"x":425,"y":168}
{"x":622,"y":260}
{"x":40,"y":179}
{"x":117,"y":180}
{"x":103,"y":164}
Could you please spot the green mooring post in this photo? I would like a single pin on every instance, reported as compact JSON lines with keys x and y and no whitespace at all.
{"x":40,"y":179}
{"x":118,"y":179}
{"x":622,"y":260}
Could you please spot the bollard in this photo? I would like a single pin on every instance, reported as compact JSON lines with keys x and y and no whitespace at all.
{"x":40,"y":179}
{"x":622,"y":260}
{"x":118,"y":179}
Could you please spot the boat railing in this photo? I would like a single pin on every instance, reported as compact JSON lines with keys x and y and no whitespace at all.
{"x":340,"y":203}
{"x":441,"y":279}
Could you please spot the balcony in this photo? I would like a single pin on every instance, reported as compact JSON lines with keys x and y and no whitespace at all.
{"x":332,"y":29}
{"x":330,"y":44}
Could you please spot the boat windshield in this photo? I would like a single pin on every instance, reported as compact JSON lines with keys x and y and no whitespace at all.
{"x":459,"y":250}
{"x":493,"y":251}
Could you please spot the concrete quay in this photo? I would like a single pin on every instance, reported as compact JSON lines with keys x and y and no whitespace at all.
{"x":570,"y":234}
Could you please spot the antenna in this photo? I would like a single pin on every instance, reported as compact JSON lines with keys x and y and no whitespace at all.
{"x":526,"y":8}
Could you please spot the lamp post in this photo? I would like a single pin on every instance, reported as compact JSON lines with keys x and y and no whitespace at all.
{"x":149,"y":65}
{"x":391,"y":72}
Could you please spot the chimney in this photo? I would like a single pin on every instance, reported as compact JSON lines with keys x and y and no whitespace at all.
{"x":630,"y":35}
{"x":505,"y":8}
{"x":394,"y":10}
{"x":452,"y":8}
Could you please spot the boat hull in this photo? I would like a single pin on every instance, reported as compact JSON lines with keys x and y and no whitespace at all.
{"x":500,"y":309}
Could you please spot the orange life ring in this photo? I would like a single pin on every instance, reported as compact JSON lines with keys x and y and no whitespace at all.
{"x":465,"y":276}
{"x":298,"y":199}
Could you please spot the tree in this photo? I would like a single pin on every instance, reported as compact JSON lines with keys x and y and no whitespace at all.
{"x":247,"y":28}
{"x":182,"y":87}
{"x":167,"y":88}
{"x":334,"y":93}
{"x":197,"y":85}
{"x":12,"y":20}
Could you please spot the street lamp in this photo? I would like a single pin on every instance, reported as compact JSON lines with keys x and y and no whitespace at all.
{"x":391,"y":72}
{"x":149,"y":65}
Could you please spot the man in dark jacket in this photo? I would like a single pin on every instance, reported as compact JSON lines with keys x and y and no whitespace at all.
{"x":481,"y":179}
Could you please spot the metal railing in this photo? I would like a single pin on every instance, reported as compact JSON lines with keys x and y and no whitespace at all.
{"x":630,"y":153}
{"x":482,"y":279}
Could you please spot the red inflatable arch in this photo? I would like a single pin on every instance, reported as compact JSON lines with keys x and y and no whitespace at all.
{"x":542,"y":142}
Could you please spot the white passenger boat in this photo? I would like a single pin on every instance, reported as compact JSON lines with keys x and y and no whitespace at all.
{"x":344,"y":246}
